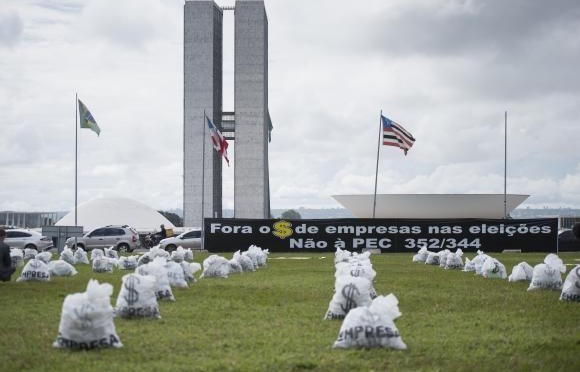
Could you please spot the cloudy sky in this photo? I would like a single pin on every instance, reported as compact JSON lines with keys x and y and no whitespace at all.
{"x":447,"y":70}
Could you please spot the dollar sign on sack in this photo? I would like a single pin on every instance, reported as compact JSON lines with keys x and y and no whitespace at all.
{"x":35,"y":264}
{"x":355,"y":272}
{"x":577,"y":271}
{"x":282,"y":229}
{"x":495,"y":269}
{"x":349,"y":291}
{"x":83,"y":314}
{"x":131,"y":295}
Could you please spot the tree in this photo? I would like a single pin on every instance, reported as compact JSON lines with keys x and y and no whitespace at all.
{"x":291,"y":214}
{"x":173,"y":218}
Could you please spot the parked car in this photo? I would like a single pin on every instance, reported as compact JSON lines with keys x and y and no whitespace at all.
{"x":189,"y":239}
{"x":23,"y":238}
{"x":122,"y":238}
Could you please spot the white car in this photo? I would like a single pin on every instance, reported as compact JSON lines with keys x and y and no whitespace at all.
{"x":24,"y":238}
{"x":189,"y":239}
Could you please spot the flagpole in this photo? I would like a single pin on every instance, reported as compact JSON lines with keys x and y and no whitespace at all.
{"x":377,"y":167}
{"x":76,"y":151}
{"x":203,"y":183}
{"x":505,"y":168}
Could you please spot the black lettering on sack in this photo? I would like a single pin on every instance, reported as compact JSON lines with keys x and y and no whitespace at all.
{"x":368,"y":332}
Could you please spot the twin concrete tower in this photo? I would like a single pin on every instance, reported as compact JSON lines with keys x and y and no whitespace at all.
{"x":248,"y":126}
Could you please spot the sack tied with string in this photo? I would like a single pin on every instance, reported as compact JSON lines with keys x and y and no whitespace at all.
{"x":137,"y":298}
{"x":571,"y":286}
{"x":86,"y":321}
{"x":349,"y":293}
{"x":34,"y":270}
{"x":372,"y":326}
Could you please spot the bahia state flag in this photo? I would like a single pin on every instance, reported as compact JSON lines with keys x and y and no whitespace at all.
{"x":395,"y":135}
{"x":87,"y":119}
{"x":219,"y":142}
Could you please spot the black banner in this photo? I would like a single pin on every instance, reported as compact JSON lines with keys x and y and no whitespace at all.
{"x":388,"y":235}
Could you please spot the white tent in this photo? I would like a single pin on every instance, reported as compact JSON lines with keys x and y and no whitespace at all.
{"x":115,"y":211}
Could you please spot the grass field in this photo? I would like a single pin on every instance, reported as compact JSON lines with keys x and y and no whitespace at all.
{"x":271,"y":320}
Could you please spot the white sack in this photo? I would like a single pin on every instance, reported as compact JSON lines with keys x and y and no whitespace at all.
{"x":61,"y":268}
{"x":137,"y":298}
{"x":81,"y":256}
{"x":421,"y":256}
{"x":189,"y":270}
{"x":545,"y":277}
{"x":157,"y":269}
{"x":215,"y":267}
{"x":349,"y":293}
{"x":68,"y":255}
{"x":16,"y":257}
{"x":103,"y":265}
{"x":493,"y":269}
{"x":571,"y":287}
{"x":372,"y":327}
{"x":175,"y":275}
{"x":34,"y":270}
{"x":30,"y":253}
{"x":44,"y":256}
{"x":432,"y":259}
{"x":127,"y":262}
{"x":521,"y":272}
{"x":87,"y":319}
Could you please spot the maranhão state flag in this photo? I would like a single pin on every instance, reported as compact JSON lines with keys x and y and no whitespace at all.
{"x":219,"y":142}
{"x":395,"y":135}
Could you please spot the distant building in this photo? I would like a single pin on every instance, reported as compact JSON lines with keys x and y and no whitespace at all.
{"x":248,"y":126}
{"x":28,"y":220}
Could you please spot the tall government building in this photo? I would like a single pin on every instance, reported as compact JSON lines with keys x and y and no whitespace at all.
{"x":248,"y":126}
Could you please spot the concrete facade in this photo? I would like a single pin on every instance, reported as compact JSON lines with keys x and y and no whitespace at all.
{"x":251,"y":186}
{"x":203,"y":25}
{"x":202,"y":90}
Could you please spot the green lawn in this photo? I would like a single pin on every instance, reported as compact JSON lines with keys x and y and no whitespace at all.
{"x":272,"y":320}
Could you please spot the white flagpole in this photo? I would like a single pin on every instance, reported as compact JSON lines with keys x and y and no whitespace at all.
{"x":505,"y":168}
{"x":377,"y":167}
{"x":76,"y":151}
{"x":203,"y":184}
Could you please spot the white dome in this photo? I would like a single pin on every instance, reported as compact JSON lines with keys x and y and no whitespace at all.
{"x":115,"y":211}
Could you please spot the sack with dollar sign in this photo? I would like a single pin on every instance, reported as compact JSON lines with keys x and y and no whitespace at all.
{"x":189,"y":270}
{"x":111,"y":253}
{"x":443,"y":257}
{"x":215,"y":267}
{"x":16,"y":257}
{"x":81,"y":256}
{"x":432,"y":258}
{"x":34,"y":270}
{"x":454,"y":260}
{"x":545,"y":276}
{"x":493,"y":269}
{"x":68,"y":255}
{"x":571,"y":286}
{"x":128,"y":262}
{"x":44,"y":256}
{"x":157,"y":269}
{"x":235,"y":266}
{"x":97,"y":253}
{"x":372,"y":326}
{"x":175,"y":275}
{"x":421,"y":256}
{"x":87,"y":319}
{"x":245,"y":262}
{"x":178,"y":255}
{"x":521,"y":272}
{"x":30,"y":253}
{"x":478,"y":262}
{"x":137,"y":298}
{"x":103,"y":265}
{"x":349,"y":293}
{"x":61,"y":268}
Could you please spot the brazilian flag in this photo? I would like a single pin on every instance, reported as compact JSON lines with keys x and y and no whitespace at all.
{"x":87,"y":119}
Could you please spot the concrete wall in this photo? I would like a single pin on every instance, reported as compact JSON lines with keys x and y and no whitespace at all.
{"x":202,"y":69}
{"x":251,"y":188}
